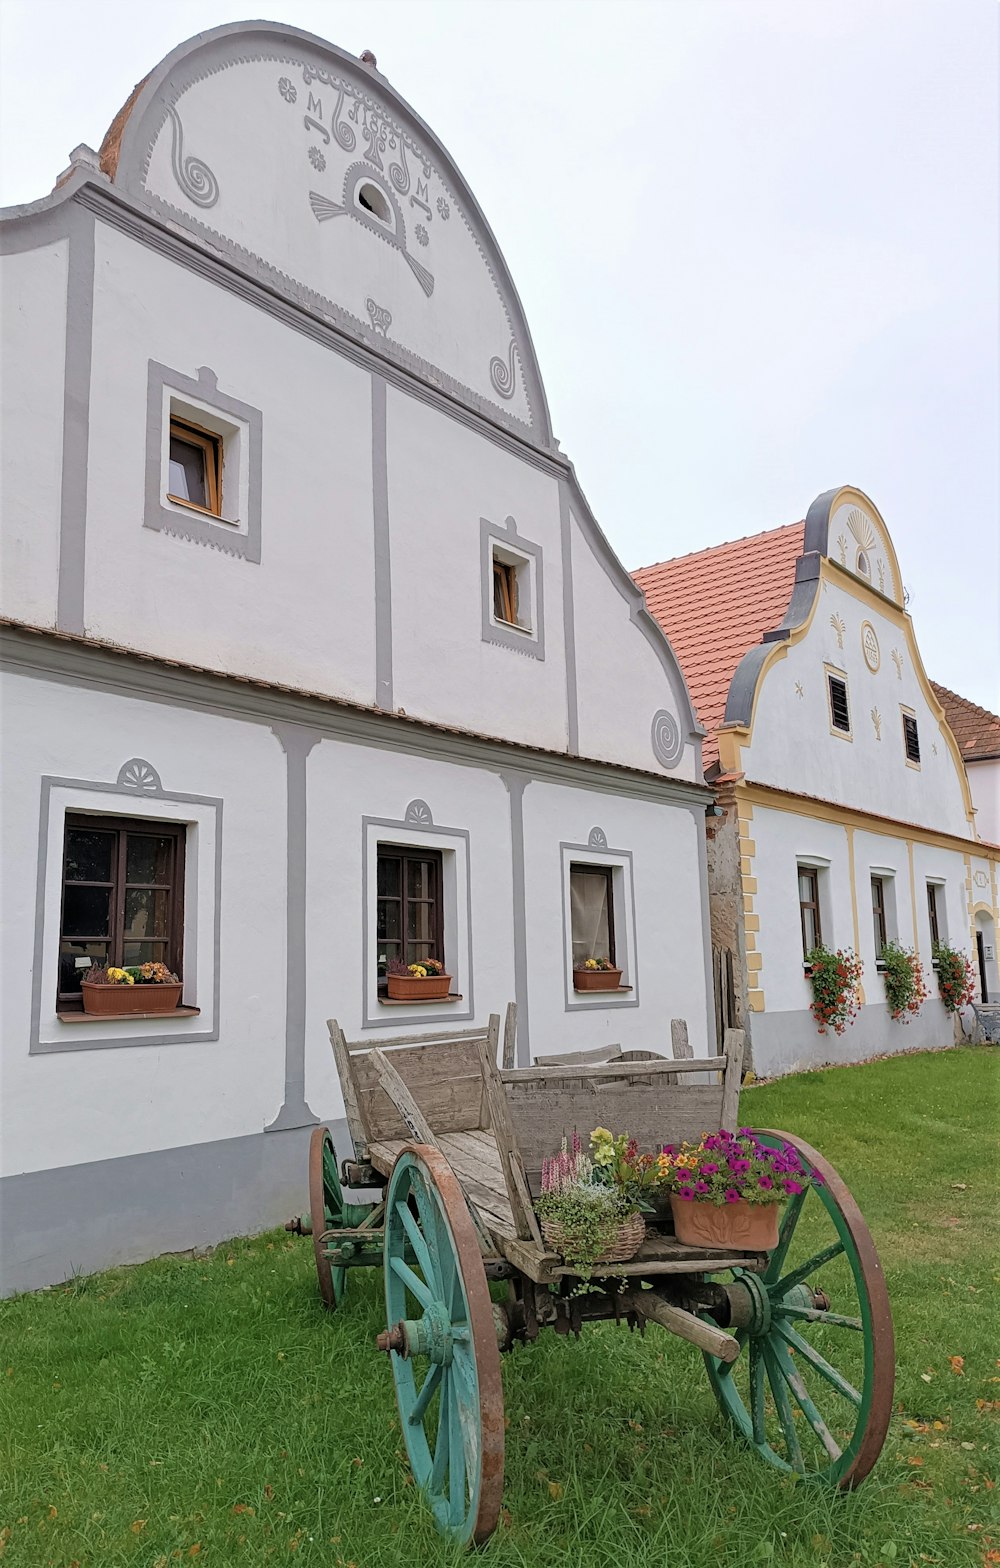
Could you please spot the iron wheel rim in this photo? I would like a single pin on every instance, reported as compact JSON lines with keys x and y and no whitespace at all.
{"x":326,"y":1208}
{"x":785,"y":1360}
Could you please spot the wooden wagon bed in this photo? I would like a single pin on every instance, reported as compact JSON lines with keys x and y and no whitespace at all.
{"x":496,"y":1126}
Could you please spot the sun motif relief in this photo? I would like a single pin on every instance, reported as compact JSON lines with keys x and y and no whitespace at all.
{"x":870,"y":647}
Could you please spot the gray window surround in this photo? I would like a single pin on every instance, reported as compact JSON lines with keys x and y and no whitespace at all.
{"x":166,"y":517}
{"x":136,"y":780}
{"x":530,"y":640}
{"x":626,"y":933}
{"x":416,"y":819}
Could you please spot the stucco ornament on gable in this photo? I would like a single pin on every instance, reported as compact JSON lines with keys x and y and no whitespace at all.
{"x":256,"y":119}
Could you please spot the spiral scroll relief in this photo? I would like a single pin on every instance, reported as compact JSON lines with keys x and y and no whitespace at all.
{"x":668,"y":744}
{"x":193,"y":175}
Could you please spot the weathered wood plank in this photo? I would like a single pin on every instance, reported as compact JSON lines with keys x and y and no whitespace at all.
{"x":416,"y":1122}
{"x":680,"y":1045}
{"x":619,"y":1068}
{"x":601,"y":1053}
{"x":435,"y":1037}
{"x":525,"y":1222}
{"x":510,"y":1035}
{"x":733,"y":1050}
{"x":661,"y":1113}
{"x":355,"y":1119}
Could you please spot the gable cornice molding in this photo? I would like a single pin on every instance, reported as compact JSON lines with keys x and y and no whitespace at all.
{"x":82,"y":661}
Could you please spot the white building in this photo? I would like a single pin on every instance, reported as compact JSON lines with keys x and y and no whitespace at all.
{"x":848,"y":818}
{"x":314,"y":655}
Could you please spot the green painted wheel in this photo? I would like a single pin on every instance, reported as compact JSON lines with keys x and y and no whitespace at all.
{"x":812,"y":1392}
{"x":442,"y":1342}
{"x":326,"y":1203}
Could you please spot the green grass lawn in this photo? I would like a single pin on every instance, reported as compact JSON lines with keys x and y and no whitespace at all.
{"x":208,"y":1411}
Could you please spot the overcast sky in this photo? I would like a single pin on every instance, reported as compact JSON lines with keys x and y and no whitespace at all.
{"x":756,"y":240}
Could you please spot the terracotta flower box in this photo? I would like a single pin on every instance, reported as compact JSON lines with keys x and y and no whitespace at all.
{"x":418,"y":988}
{"x":597,"y":979}
{"x":119,"y":1001}
{"x":749,"y":1227}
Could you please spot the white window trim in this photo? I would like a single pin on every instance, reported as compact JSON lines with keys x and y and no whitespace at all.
{"x":623,"y":893}
{"x":526,"y":636}
{"x":456,"y":892}
{"x":200,"y":966}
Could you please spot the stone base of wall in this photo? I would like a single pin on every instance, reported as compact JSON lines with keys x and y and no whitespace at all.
{"x":59,"y":1223}
{"x":789,"y":1042}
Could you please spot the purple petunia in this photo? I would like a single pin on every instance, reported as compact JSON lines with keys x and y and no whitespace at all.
{"x":738,"y":1165}
{"x":792,"y":1186}
{"x":701,"y":1186}
{"x":687,"y":1193}
{"x":708,"y":1170}
{"x":765,"y":1181}
{"x":732,"y":1196}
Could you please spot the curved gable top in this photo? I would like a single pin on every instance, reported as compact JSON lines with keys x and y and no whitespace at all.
{"x":305,"y":167}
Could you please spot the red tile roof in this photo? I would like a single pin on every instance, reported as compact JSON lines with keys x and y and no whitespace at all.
{"x":976,"y":729}
{"x":717,"y":604}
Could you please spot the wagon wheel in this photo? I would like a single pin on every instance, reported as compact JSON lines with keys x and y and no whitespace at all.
{"x":326,"y":1204}
{"x":813,"y":1394}
{"x":443,"y":1340}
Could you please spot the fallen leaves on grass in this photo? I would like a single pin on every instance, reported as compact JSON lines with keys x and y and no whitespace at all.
{"x":957,"y":1364}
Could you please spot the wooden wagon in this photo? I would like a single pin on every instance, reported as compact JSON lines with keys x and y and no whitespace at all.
{"x":797,"y":1343}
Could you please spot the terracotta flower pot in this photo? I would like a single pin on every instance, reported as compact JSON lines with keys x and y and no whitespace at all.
{"x":596,"y":979}
{"x":749,"y":1227}
{"x":418,"y":988}
{"x":118,"y":1001}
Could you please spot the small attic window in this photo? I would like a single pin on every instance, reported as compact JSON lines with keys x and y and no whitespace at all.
{"x":864,"y":567}
{"x":372,"y":200}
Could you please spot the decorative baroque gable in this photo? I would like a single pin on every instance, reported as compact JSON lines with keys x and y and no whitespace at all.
{"x":261,"y":142}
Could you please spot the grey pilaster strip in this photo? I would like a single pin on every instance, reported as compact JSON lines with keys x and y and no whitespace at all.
{"x":296,"y":743}
{"x":569,"y":622}
{"x":515,"y":784}
{"x":383,"y":563}
{"x":76,"y":422}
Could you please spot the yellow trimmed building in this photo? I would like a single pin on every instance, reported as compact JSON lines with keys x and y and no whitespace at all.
{"x":846,"y":818}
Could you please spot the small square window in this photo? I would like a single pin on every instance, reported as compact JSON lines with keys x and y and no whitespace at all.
{"x":512,"y":601}
{"x":840,"y":712}
{"x":195,"y":476}
{"x":911,"y":738}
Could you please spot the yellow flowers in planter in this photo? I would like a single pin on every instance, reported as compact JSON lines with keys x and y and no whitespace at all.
{"x":120,"y":977}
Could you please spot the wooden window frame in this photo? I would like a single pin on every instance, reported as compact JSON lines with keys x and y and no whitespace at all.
{"x":405,"y":853}
{"x":909,"y":719}
{"x":505,"y":588}
{"x":139,"y":827}
{"x":812,"y":876}
{"x":211,"y":445}
{"x":932,"y":913}
{"x":880,"y":927}
{"x":841,"y":680}
{"x":608,"y":872}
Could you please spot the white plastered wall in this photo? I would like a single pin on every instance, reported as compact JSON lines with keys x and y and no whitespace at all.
{"x":33,"y":320}
{"x":60,"y":1109}
{"x":668,"y":961}
{"x":302,"y":616}
{"x":984,"y":782}
{"x":443,"y":478}
{"x":792,"y":747}
{"x":621,"y":682}
{"x":785,"y":1035}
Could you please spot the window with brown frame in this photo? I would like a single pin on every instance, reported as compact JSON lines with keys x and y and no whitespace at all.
{"x":911,"y":737}
{"x":505,"y":591}
{"x":932,"y":911}
{"x":840,"y":713}
{"x":122,"y":898}
{"x":592,"y":912}
{"x":812,"y":934}
{"x":878,"y":914}
{"x":410,"y":912}
{"x":195,"y":467}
